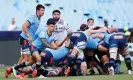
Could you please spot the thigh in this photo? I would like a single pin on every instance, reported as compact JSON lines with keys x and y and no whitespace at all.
{"x":36,"y":55}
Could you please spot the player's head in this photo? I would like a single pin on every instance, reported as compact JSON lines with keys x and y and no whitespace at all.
{"x":83,"y":27}
{"x":40,"y":10}
{"x":51,"y":24}
{"x":106,"y":23}
{"x":56,"y":15}
{"x":90,"y":22}
{"x":112,"y":29}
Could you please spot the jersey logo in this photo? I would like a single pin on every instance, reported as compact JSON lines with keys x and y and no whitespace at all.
{"x":76,"y":34}
{"x":118,"y":37}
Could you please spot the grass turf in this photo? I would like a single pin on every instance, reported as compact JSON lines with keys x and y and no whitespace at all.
{"x":123,"y":76}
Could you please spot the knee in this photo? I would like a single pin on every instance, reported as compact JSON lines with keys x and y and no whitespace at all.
{"x":127,"y":60}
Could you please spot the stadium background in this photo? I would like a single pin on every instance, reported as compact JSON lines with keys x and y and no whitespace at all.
{"x":75,"y":12}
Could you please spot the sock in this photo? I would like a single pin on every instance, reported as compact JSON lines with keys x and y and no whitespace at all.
{"x":112,"y":62}
{"x":128,"y":63}
{"x":24,"y":64}
{"x":38,"y":64}
{"x":70,"y":60}
{"x":117,"y":66}
{"x":78,"y":63}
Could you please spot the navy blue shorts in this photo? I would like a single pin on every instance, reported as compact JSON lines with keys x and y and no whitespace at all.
{"x":33,"y":49}
{"x":118,"y":41}
{"x":78,"y":37}
{"x":48,"y":58}
{"x":24,"y":44}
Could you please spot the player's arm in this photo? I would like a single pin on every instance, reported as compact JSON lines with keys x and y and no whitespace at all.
{"x":51,"y":46}
{"x":59,"y":44}
{"x":97,"y":35}
{"x":43,"y":36}
{"x":68,"y":29}
{"x":90,"y":31}
{"x":129,"y":38}
{"x":101,"y":48}
{"x":25,"y":27}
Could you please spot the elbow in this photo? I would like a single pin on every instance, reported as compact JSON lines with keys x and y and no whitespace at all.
{"x":101,"y":48}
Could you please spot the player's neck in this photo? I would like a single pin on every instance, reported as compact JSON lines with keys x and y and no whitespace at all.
{"x":38,"y":16}
{"x":49,"y":33}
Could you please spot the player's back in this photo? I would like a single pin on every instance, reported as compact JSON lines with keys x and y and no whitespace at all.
{"x":59,"y":53}
{"x":107,"y":37}
{"x":77,"y":35}
{"x":91,"y":43}
{"x":102,"y":33}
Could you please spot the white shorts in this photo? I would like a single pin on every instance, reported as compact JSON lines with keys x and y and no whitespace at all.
{"x":25,"y":51}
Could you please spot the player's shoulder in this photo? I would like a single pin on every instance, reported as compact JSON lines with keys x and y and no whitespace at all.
{"x":62,"y":21}
{"x":33,"y":16}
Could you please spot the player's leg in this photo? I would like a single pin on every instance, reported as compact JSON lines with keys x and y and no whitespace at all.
{"x":37,"y":57}
{"x":80,"y":61}
{"x":49,"y":73}
{"x":24,"y":64}
{"x":33,"y":50}
{"x":105,"y":62}
{"x":127,"y":57}
{"x":70,"y":61}
{"x":83,"y":69}
{"x":113,"y":51}
{"x":21,"y":58}
{"x":25,"y":51}
{"x":113,"y":55}
{"x":125,"y":53}
{"x":117,"y":64}
{"x":55,"y":72}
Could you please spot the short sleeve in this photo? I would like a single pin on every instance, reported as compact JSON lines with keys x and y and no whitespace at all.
{"x":31,"y":19}
{"x":55,"y":38}
{"x":43,"y":35}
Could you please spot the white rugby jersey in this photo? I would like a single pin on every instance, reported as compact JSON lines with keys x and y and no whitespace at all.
{"x":60,"y":28}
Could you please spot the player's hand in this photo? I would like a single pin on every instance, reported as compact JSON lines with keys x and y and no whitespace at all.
{"x":66,"y":38}
{"x":30,"y":40}
{"x":69,"y":35}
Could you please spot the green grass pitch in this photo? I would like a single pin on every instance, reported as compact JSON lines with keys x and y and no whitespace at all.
{"x":123,"y":76}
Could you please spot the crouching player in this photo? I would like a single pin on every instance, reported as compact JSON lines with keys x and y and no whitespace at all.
{"x":78,"y":40}
{"x":117,"y":44}
{"x":49,"y":56}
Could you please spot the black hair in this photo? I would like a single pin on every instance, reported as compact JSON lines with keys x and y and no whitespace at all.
{"x":56,"y":11}
{"x":51,"y":21}
{"x":39,"y":6}
{"x":90,"y":19}
{"x":83,"y":27}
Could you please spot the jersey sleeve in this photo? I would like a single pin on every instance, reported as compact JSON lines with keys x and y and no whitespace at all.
{"x":31,"y":19}
{"x":43,"y":35}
